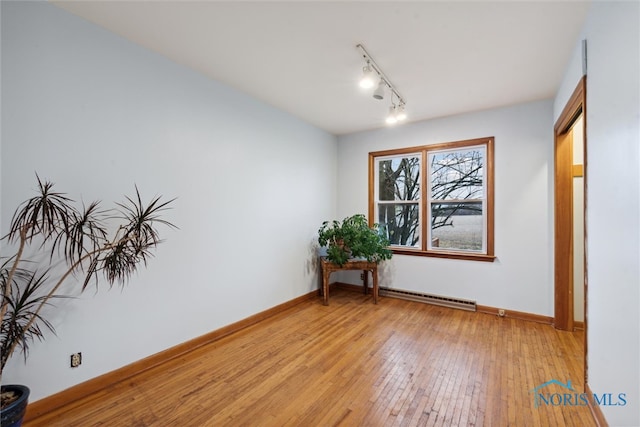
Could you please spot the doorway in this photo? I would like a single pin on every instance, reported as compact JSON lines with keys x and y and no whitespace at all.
{"x":570,"y":203}
{"x":577,"y":133}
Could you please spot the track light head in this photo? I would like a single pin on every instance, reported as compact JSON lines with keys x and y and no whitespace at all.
{"x":391,"y":118}
{"x":401,"y":114}
{"x":379,"y":92}
{"x":367,"y":80}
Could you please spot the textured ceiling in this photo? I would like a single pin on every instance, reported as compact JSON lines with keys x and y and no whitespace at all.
{"x":300,"y":56}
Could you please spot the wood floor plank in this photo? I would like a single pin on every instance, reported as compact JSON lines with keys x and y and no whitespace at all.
{"x":353,"y":363}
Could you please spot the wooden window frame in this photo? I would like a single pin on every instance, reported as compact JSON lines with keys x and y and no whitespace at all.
{"x":424,"y":151}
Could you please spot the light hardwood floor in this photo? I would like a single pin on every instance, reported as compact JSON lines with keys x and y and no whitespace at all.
{"x":353,"y":363}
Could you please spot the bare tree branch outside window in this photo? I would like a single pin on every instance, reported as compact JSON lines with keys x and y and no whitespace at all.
{"x":399,"y":180}
{"x":456,"y":184}
{"x":456,"y":191}
{"x":436,"y":199}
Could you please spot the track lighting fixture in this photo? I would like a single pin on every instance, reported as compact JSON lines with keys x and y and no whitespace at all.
{"x":396,"y":113}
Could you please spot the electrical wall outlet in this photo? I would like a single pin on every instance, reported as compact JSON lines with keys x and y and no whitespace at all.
{"x":501,"y":312}
{"x":76,"y":360}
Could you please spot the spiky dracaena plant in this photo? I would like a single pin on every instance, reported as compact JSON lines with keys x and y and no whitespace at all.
{"x":50,"y":223}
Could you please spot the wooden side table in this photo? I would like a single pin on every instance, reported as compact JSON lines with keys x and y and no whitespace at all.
{"x":328,"y":267}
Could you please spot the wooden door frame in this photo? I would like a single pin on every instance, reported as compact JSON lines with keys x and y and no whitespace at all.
{"x":563,"y":218}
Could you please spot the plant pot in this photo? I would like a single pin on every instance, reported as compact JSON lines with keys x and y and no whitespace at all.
{"x":13,"y":413}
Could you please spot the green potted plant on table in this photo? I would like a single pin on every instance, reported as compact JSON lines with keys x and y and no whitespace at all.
{"x":48,"y":229}
{"x":353,"y":238}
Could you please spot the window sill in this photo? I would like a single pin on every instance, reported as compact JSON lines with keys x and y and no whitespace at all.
{"x":451,"y":255}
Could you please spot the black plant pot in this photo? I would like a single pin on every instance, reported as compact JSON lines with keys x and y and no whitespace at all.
{"x":12,"y":415}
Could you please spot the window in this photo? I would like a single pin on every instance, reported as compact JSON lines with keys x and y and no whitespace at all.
{"x":435,"y":200}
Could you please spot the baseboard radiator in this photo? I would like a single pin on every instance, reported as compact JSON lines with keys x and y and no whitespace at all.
{"x":461,"y":304}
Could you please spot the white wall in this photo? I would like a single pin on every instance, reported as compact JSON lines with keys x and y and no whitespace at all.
{"x":521,"y":278}
{"x":612,"y":31}
{"x":96,"y":115}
